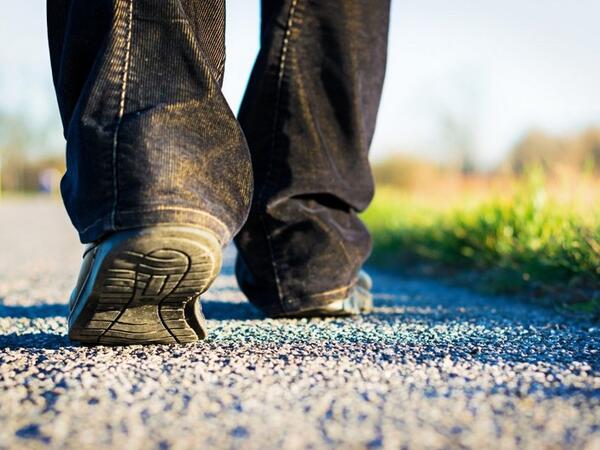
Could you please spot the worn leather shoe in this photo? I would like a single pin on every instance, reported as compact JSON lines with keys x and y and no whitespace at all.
{"x":358,"y":301}
{"x":142,"y":286}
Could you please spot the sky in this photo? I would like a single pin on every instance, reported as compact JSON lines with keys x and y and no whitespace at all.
{"x":497,"y":69}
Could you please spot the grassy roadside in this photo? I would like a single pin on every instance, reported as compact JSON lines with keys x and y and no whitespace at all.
{"x":522,"y":241}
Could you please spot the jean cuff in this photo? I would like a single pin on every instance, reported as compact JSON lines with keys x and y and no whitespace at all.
{"x":145,"y":217}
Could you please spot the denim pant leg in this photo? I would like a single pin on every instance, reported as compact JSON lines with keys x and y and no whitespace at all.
{"x":150,"y":138}
{"x":309,"y":116}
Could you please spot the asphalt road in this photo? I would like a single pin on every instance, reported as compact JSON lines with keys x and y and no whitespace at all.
{"x":432,"y":367}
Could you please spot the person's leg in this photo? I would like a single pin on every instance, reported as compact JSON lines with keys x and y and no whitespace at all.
{"x":309,"y":116}
{"x":158,"y":171}
{"x":150,"y":138}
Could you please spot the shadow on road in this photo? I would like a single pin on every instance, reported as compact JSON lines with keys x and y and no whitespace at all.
{"x":35,"y":341}
{"x":215,"y":310}
{"x":33,"y":311}
{"x":469,"y":333}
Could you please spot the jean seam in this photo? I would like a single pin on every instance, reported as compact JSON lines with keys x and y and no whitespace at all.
{"x":319,"y":132}
{"x":315,"y":123}
{"x":180,"y":208}
{"x":324,"y":293}
{"x":328,"y":296}
{"x":225,"y":230}
{"x":121,"y":109}
{"x":276,"y":111}
{"x":92,"y":225}
{"x":339,"y":241}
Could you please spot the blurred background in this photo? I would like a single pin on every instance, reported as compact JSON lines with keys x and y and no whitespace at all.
{"x":487,"y":150}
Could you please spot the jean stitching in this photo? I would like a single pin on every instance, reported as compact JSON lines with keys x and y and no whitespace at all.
{"x":166,"y":208}
{"x":280,"y":75}
{"x":319,"y":132}
{"x":329,"y":291}
{"x":121,"y":111}
{"x":181,"y":208}
{"x":326,"y":297}
{"x":315,"y":123}
{"x":93,"y":224}
{"x":330,"y":233}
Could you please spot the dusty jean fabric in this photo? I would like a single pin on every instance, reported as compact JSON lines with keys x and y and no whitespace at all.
{"x":151,"y":139}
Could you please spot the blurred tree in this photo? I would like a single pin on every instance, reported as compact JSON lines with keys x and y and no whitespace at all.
{"x":579,"y":153}
{"x":459,"y":137}
{"x":406,"y":173}
{"x":13,"y":146}
{"x":458,"y":110}
{"x":20,"y":140}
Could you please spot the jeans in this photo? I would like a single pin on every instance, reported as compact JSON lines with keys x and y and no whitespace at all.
{"x":151,"y":139}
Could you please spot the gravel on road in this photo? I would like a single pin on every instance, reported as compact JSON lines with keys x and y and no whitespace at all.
{"x":433,"y":367}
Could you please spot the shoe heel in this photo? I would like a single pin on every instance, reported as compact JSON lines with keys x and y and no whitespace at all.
{"x":144,"y":288}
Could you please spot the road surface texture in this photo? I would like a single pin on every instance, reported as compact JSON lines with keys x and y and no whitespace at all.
{"x":432,"y":367}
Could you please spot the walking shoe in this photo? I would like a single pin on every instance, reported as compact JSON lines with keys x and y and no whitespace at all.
{"x":358,"y":301}
{"x":142,"y":286}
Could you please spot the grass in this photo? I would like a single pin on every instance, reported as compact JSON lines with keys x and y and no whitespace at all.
{"x":523,"y":240}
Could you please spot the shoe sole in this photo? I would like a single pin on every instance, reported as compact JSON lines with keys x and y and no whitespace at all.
{"x":144,"y":288}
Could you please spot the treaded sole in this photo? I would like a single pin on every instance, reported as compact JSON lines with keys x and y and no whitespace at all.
{"x":145,"y":289}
